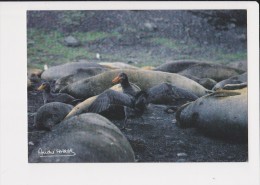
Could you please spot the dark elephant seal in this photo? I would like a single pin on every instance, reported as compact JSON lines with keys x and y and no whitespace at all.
{"x":78,"y":75}
{"x":56,"y":72}
{"x":51,"y":114}
{"x":176,"y":66}
{"x":208,"y":83}
{"x":221,"y":114}
{"x":242,"y":65}
{"x":216,"y":72}
{"x":85,"y":138}
{"x":142,"y":78}
{"x":238,"y":79}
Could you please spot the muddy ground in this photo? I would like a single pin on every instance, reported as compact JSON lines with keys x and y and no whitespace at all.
{"x":158,"y":138}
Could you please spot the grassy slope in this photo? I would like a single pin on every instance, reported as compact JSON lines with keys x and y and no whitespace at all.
{"x":47,"y":48}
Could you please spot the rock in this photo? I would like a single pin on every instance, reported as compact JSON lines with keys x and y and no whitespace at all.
{"x":181,"y":160}
{"x":239,"y":79}
{"x":143,"y":78}
{"x":71,"y":41}
{"x":30,"y":43}
{"x":51,"y":114}
{"x":149,"y":26}
{"x":214,"y":71}
{"x":176,"y":66}
{"x":182,"y":154}
{"x":78,"y":75}
{"x":222,"y":114}
{"x":85,"y":138}
{"x":117,"y":65}
{"x":56,"y":72}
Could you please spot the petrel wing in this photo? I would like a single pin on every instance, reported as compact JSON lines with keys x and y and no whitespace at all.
{"x":108,"y":98}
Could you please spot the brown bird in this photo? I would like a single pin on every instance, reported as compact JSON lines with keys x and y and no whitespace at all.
{"x":48,"y":96}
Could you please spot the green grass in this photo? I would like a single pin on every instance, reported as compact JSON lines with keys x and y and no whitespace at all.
{"x":171,"y":44}
{"x":47,"y":48}
{"x":232,"y":56}
{"x":93,"y":36}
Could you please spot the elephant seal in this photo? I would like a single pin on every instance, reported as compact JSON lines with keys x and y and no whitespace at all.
{"x":216,"y":72}
{"x":242,"y":65}
{"x":117,"y":65}
{"x":142,"y":78}
{"x":34,"y":71}
{"x":176,"y":66}
{"x":50,"y":114}
{"x":78,"y":75}
{"x":221,"y":114}
{"x":238,"y":79}
{"x":56,"y":72}
{"x":85,"y":138}
{"x":208,"y":83}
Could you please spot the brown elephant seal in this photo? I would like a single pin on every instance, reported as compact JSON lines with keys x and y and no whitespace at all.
{"x":176,"y":66}
{"x":222,"y":114}
{"x":51,"y":114}
{"x":142,"y":78}
{"x":148,"y":68}
{"x":85,"y":138}
{"x":238,"y":79}
{"x":216,"y":72}
{"x":78,"y":75}
{"x":117,"y":65}
{"x":56,"y":72}
{"x":34,"y":71}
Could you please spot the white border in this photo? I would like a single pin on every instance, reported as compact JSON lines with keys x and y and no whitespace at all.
{"x":14,"y":166}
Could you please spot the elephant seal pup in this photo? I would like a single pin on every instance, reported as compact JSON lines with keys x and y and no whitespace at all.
{"x":216,"y":72}
{"x":85,"y":138}
{"x":78,"y":75}
{"x":176,"y":66}
{"x":232,"y":80}
{"x":221,"y":114}
{"x":142,"y":78}
{"x":51,"y":114}
{"x":56,"y":72}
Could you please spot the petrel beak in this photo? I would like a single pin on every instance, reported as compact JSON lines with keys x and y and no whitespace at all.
{"x":116,"y":79}
{"x":40,"y":88}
